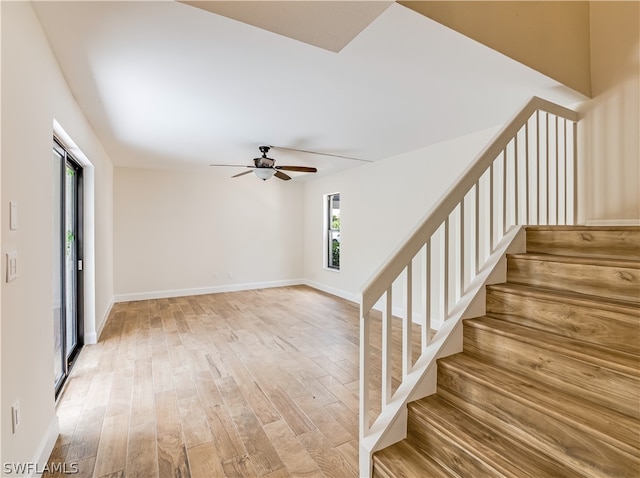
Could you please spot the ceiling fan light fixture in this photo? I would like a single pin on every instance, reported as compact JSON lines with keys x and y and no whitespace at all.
{"x":264,"y":173}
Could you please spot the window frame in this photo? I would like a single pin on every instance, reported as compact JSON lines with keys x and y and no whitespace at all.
{"x":330,"y":231}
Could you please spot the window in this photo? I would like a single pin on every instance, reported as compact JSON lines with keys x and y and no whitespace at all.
{"x":333,"y":231}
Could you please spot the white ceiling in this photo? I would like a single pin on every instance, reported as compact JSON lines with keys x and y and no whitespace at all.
{"x":167,"y":85}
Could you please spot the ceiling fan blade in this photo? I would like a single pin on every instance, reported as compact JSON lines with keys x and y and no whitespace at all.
{"x":242,"y":173}
{"x":321,"y":154}
{"x":301,"y":169}
{"x":232,"y":165}
{"x":282,"y":176}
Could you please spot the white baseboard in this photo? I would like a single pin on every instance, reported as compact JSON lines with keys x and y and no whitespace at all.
{"x":46,"y":445}
{"x":333,"y":291}
{"x":93,"y":338}
{"x":612,"y":222}
{"x":164,"y":294}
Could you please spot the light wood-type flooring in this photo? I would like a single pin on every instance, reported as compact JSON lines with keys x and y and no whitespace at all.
{"x":242,"y":384}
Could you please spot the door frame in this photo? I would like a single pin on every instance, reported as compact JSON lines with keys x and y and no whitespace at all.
{"x":68,"y":359}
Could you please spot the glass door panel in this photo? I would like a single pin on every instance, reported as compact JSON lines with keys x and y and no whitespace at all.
{"x":66,"y":220}
{"x":58,"y":345}
{"x":71,"y":260}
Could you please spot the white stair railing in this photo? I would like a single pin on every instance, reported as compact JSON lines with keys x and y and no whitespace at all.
{"x":526,"y":175}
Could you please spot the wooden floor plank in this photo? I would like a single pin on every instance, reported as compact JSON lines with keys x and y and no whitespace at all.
{"x":346,"y":396}
{"x":233,"y":384}
{"x":142,"y":400}
{"x":167,"y":413}
{"x":297,"y":459}
{"x":225,"y":434}
{"x":194,"y":422}
{"x":112,"y":450}
{"x":120,"y":394}
{"x":172,"y":456}
{"x":349,"y":451}
{"x":142,"y":458}
{"x":86,"y":436}
{"x":162,"y":375}
{"x":259,"y":448}
{"x":263,"y":408}
{"x":239,"y":467}
{"x":98,"y":393}
{"x":292,"y":414}
{"x":68,"y":414}
{"x":330,"y":461}
{"x":56,"y":465}
{"x":204,"y":461}
{"x":325,"y":422}
{"x":85,"y":468}
{"x":207,"y":389}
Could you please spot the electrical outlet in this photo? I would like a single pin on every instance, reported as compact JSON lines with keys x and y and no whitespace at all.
{"x":16,"y":417}
{"x":12,"y":266}
{"x":229,"y":275}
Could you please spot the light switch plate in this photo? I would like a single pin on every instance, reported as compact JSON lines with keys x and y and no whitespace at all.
{"x":12,"y":266}
{"x":13,"y":215}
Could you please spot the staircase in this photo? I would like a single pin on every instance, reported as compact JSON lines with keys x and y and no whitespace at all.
{"x":548,"y":383}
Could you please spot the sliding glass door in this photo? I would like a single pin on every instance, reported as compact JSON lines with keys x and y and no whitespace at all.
{"x":67,"y":264}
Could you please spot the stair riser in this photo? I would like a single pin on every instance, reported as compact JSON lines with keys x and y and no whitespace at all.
{"x":607,"y":328}
{"x":447,"y":452}
{"x":604,"y":281}
{"x":595,"y":242}
{"x":379,"y":471}
{"x":482,"y":442}
{"x":593,"y":382}
{"x":550,"y":435}
{"x":405,"y":460}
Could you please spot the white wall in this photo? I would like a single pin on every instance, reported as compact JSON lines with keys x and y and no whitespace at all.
{"x":381,"y":203}
{"x":34,"y":93}
{"x":610,"y":126}
{"x":178,"y":233}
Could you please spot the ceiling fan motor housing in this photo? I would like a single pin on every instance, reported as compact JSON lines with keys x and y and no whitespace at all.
{"x":264,"y":162}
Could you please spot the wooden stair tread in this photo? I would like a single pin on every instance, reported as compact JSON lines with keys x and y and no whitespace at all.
{"x":405,"y":460}
{"x":507,"y":456}
{"x":609,"y":323}
{"x":618,"y":278}
{"x":580,"y":452}
{"x":583,"y":228}
{"x":606,"y":242}
{"x":603,"y":385}
{"x":613,"y":427}
{"x":619,"y":361}
{"x":581,"y":260}
{"x":616,"y":305}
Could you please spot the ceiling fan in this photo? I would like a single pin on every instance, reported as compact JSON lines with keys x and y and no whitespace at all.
{"x":265,"y":167}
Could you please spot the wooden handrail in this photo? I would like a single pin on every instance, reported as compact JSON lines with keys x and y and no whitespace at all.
{"x":378,"y":284}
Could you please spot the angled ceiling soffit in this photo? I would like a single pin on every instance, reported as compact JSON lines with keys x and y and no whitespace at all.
{"x":330,"y":25}
{"x":552,"y":37}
